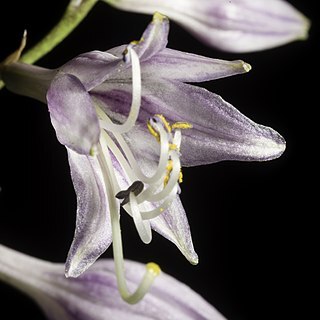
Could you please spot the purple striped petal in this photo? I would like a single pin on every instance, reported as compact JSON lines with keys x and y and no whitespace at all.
{"x":153,"y":40}
{"x":235,"y":26}
{"x":220,"y":132}
{"x":181,"y":66}
{"x":188,"y":67}
{"x":174,"y":226}
{"x":73,"y":114}
{"x":92,"y":68}
{"x":93,"y":233}
{"x":94,"y":295}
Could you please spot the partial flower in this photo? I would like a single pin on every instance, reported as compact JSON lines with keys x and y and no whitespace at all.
{"x":129,"y":121}
{"x":235,"y":26}
{"x":94,"y":295}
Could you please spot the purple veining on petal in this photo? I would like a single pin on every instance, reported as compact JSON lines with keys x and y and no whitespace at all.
{"x":220,"y":132}
{"x":92,"y":68}
{"x":94,"y":296}
{"x":187,"y":67}
{"x":93,"y":233}
{"x":235,"y":26}
{"x":154,"y":38}
{"x":73,"y":114}
{"x":174,"y":226}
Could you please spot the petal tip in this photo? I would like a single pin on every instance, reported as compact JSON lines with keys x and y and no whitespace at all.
{"x":273,"y":148}
{"x":75,"y":266}
{"x":281,"y":148}
{"x":246,"y":66}
{"x":70,"y":271}
{"x":159,"y":17}
{"x":194,"y":261}
{"x":305,"y":30}
{"x":191,"y":256}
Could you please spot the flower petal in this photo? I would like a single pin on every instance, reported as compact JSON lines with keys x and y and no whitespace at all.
{"x":94,"y":295}
{"x":92,"y":68}
{"x":93,"y":227}
{"x":188,"y":67}
{"x":73,"y":114}
{"x":220,"y":132}
{"x":153,"y":40}
{"x":235,"y":26}
{"x":173,"y":225}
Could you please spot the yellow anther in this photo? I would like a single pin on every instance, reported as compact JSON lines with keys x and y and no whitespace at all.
{"x":173,"y":146}
{"x":135,"y":42}
{"x":164,"y":121}
{"x":153,"y":132}
{"x":169,"y":166}
{"x":181,"y":125}
{"x":166,"y":179}
{"x":153,"y":268}
{"x":180,"y":177}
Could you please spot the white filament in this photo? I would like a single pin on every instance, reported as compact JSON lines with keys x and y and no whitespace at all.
{"x":157,"y":193}
{"x":143,"y":227}
{"x":164,"y":152}
{"x":174,"y":176}
{"x":136,"y":98}
{"x":147,"y":215}
{"x":150,"y":274}
{"x":177,"y":138}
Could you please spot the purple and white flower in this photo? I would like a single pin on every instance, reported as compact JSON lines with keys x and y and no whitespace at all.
{"x":235,"y":26}
{"x":94,"y":295}
{"x":129,"y":122}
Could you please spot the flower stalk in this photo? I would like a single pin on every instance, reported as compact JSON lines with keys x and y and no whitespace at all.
{"x":75,"y":12}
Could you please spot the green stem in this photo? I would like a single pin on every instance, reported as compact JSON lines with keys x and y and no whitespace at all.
{"x":76,"y":11}
{"x":73,"y":15}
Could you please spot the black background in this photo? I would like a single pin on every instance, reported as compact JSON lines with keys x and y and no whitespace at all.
{"x":253,"y":224}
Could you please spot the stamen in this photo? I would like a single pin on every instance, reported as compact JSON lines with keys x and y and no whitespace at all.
{"x":177,"y":139}
{"x":153,"y":132}
{"x":181,"y":125}
{"x":173,"y":146}
{"x":136,"y":96}
{"x":164,"y":149}
{"x":147,"y":215}
{"x":164,"y":121}
{"x":152,"y":271}
{"x":162,"y":187}
{"x":172,"y":181}
{"x":180,"y":176}
{"x":143,"y":226}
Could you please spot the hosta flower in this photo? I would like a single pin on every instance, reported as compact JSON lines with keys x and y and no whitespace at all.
{"x":94,"y":295}
{"x":129,"y":122}
{"x":235,"y":26}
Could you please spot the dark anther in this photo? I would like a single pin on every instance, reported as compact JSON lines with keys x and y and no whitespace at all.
{"x":136,"y":188}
